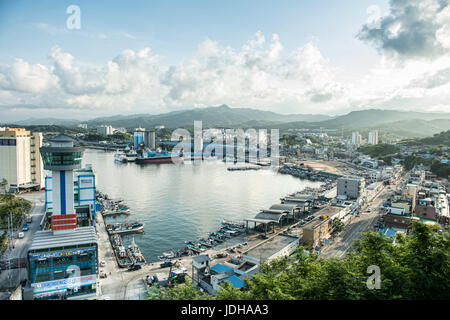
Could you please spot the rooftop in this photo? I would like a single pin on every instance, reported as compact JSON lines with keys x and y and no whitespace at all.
{"x":61,"y":138}
{"x":329,"y":211}
{"x":235,"y":282}
{"x":267,"y":249}
{"x":221,"y":268}
{"x":314,"y":223}
{"x":46,"y":239}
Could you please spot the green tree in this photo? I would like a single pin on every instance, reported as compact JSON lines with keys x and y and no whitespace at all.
{"x":415,"y":266}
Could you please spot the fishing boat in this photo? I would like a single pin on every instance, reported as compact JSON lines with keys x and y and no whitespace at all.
{"x":135,"y":253}
{"x":130,"y":154}
{"x":167,"y":255}
{"x":120,"y":157}
{"x":117,"y":211}
{"x":124,"y":260}
{"x":118,"y":228}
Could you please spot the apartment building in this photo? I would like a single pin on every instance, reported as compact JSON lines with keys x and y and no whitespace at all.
{"x":350,"y":187}
{"x":20,"y":159}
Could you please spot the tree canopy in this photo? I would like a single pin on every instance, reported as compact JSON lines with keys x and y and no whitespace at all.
{"x":415,"y":266}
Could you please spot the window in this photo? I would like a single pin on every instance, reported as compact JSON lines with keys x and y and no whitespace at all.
{"x":58,"y":274}
{"x":41,"y":277}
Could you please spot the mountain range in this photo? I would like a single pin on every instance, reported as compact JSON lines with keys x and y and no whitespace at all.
{"x":401,"y":123}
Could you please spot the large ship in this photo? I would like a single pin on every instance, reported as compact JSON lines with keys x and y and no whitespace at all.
{"x":160,"y":157}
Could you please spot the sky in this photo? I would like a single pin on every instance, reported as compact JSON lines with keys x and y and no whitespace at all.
{"x":130,"y":57}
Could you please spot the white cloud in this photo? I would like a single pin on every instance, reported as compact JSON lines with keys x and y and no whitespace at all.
{"x":259,"y":74}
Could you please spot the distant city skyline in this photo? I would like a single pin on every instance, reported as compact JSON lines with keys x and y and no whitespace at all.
{"x":321,"y":57}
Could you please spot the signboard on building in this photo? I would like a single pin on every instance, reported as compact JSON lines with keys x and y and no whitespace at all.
{"x":62,"y":284}
{"x":60,"y":253}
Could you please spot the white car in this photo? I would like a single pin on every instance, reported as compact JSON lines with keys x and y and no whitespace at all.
{"x":102,"y":263}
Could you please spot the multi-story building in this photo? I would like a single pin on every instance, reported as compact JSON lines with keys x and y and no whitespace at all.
{"x":63,"y":261}
{"x":85,"y":180}
{"x":37,"y":168}
{"x":315,"y":231}
{"x":105,"y":130}
{"x":150,"y":139}
{"x":373,"y":137}
{"x":356,"y":138}
{"x":350,"y":187}
{"x":20,"y":159}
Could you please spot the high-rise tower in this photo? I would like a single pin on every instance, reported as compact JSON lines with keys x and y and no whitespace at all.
{"x":61,"y":157}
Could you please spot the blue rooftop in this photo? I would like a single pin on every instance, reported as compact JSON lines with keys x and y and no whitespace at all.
{"x":221,"y":268}
{"x":388,"y":232}
{"x":235,"y":282}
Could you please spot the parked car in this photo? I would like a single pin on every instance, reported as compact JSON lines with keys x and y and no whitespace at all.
{"x":165,"y":264}
{"x":102,"y":263}
{"x":134,"y":267}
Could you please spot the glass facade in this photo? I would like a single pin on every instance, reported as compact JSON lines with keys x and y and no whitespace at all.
{"x":62,"y":158}
{"x":51,"y":272}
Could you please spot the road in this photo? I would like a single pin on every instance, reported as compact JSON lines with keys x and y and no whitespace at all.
{"x":11,"y":278}
{"x":360,"y":224}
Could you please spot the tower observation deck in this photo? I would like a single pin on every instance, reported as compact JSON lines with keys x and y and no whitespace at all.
{"x":61,"y":157}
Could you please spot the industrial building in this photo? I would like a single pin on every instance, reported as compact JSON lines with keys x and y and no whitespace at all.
{"x":20,"y":159}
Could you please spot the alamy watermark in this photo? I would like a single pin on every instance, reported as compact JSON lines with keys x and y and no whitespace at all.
{"x":74,"y":20}
{"x":231,"y":145}
{"x":374,"y":280}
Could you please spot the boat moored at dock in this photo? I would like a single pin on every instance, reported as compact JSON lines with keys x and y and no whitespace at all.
{"x":160,"y":157}
{"x":120,"y":228}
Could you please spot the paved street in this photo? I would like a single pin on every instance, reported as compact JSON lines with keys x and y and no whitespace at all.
{"x":11,"y":278}
{"x":364,"y":223}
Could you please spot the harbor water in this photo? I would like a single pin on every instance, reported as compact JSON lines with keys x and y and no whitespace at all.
{"x":185,"y":202}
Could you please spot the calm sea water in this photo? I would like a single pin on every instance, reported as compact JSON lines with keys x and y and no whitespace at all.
{"x":185,"y":202}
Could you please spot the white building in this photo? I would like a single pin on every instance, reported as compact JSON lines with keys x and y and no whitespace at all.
{"x":373,"y":137}
{"x":105,"y":130}
{"x":350,"y":187}
{"x":356,"y":138}
{"x":20,"y":159}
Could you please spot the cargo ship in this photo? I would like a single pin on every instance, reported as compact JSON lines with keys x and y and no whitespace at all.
{"x":160,"y":157}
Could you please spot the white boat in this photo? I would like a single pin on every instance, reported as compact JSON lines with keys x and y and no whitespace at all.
{"x":120,"y":157}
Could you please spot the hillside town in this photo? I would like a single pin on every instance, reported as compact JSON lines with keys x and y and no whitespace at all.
{"x":358,"y":194}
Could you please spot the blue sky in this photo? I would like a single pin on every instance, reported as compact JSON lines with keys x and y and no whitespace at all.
{"x":156,"y":56}
{"x":173,"y":29}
